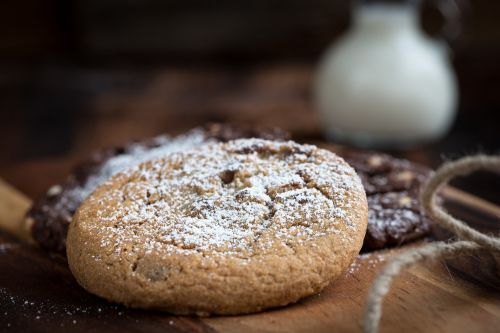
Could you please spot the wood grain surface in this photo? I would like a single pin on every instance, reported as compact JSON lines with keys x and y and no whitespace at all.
{"x":39,"y":294}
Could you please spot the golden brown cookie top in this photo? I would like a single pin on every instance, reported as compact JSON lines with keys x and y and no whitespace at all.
{"x":243,"y":198}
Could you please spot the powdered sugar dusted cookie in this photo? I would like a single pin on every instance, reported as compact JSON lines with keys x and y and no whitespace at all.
{"x":51,"y":214}
{"x":226,"y":228}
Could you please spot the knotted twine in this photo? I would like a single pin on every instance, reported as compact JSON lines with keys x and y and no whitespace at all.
{"x":473,"y":240}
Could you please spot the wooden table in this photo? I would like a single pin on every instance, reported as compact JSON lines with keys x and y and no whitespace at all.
{"x":39,"y":294}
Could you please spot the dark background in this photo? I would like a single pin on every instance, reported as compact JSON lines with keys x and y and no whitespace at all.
{"x":80,"y":74}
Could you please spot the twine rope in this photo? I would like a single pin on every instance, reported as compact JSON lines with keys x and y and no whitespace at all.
{"x":473,"y":240}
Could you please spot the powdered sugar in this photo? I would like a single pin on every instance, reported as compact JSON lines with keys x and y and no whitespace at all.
{"x":243,"y":196}
{"x":133,"y":155}
{"x":369,"y":261}
{"x":19,"y":312}
{"x":138,"y":153}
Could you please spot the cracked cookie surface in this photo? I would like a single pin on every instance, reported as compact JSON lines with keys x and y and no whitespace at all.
{"x":227,"y":228}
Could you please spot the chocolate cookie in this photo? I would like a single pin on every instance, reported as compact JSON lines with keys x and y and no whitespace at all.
{"x":392,"y":186}
{"x":226,"y":228}
{"x":394,"y":219}
{"x":51,"y":214}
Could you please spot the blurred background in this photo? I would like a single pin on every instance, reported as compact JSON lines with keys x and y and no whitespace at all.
{"x":76,"y":75}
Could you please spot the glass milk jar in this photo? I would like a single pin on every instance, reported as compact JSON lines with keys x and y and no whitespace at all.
{"x":385,"y":83}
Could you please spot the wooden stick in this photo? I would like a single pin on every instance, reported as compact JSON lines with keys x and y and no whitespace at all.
{"x":466,"y":199}
{"x":13,"y":207}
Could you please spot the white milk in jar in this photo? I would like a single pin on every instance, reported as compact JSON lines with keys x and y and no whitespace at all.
{"x":385,"y":84}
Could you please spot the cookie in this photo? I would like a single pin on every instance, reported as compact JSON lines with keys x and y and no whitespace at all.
{"x":227,"y":228}
{"x":50,"y":215}
{"x":383,"y":173}
{"x":394,"y":218}
{"x":392,"y":186}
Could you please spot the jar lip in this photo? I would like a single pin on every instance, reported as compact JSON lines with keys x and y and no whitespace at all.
{"x":385,"y":15}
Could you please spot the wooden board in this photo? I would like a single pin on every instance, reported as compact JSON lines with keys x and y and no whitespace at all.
{"x":38,"y":293}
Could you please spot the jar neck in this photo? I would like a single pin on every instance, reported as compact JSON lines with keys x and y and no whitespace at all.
{"x":385,"y":17}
